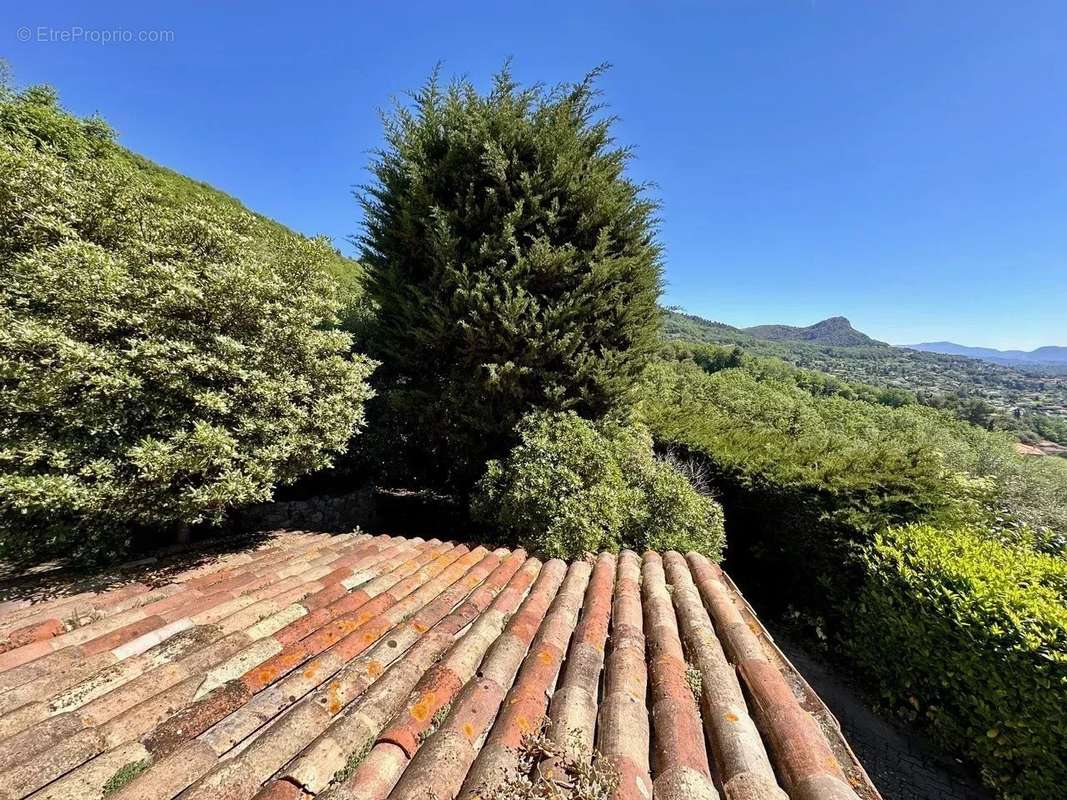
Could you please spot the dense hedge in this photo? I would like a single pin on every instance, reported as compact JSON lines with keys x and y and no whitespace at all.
{"x":970,"y":636}
{"x":160,"y":361}
{"x":571,"y":486}
{"x":854,"y":467}
{"x":801,"y":477}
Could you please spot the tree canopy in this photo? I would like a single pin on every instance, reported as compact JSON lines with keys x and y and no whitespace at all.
{"x":513,"y":264}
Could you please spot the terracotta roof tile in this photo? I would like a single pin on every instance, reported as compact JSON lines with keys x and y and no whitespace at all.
{"x":623,"y":727}
{"x":742,"y":766}
{"x":681,"y":757}
{"x":381,"y":667}
{"x":573,"y":709}
{"x":526,"y":702}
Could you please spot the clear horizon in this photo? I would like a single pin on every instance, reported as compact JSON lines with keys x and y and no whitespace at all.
{"x":901,"y":165}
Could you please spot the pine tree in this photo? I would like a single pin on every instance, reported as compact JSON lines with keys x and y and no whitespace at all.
{"x":513,"y":263}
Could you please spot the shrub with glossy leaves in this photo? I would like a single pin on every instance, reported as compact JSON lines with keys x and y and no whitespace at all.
{"x":159,"y":362}
{"x":514,"y":266}
{"x":571,"y":486}
{"x":968,"y":636}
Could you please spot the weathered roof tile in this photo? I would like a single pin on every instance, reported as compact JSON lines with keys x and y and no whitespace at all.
{"x":382,"y":667}
{"x":681,"y":757}
{"x":743,"y":768}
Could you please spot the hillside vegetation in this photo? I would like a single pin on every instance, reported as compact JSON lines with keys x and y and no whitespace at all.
{"x":823,"y":482}
{"x":1031,"y":405}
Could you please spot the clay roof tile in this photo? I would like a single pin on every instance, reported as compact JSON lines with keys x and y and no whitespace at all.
{"x":376,"y":667}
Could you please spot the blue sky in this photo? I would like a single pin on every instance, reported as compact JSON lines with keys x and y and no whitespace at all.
{"x":902,"y":163}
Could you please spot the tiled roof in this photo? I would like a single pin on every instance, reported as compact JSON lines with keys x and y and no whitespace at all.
{"x":370,"y":667}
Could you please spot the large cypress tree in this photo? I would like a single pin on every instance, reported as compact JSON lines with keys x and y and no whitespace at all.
{"x":514,"y":266}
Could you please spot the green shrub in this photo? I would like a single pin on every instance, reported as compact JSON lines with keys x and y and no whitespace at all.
{"x":514,"y":267}
{"x":1023,"y":500}
{"x":673,"y":516}
{"x":570,"y":487}
{"x":159,"y":362}
{"x":970,"y":637}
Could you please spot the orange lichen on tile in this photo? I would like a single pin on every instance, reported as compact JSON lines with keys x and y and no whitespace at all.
{"x":365,"y":667}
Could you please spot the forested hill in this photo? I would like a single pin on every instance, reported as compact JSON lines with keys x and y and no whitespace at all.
{"x":992,"y":395}
{"x":835,"y":331}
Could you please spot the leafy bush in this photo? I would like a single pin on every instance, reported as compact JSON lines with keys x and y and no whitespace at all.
{"x":159,"y":362}
{"x":35,"y":117}
{"x":1023,"y":500}
{"x":970,"y":637}
{"x":513,"y":263}
{"x":570,"y":487}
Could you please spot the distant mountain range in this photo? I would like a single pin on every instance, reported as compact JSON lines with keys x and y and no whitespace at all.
{"x":838,"y":332}
{"x":1037,"y":388}
{"x":1042,"y":355}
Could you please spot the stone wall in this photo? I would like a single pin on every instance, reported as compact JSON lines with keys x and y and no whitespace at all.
{"x":330,"y":513}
